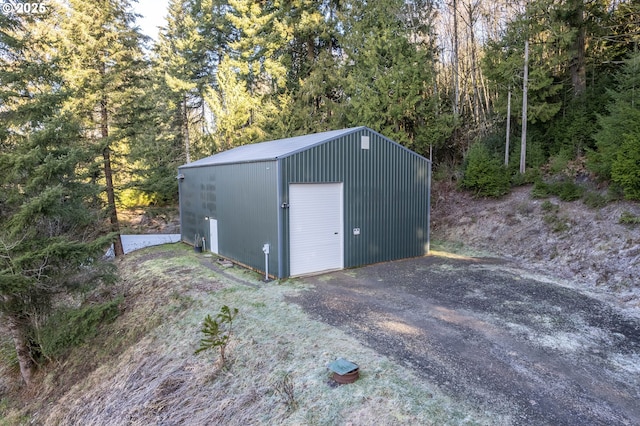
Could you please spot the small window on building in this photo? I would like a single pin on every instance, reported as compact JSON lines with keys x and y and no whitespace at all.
{"x":364,"y":142}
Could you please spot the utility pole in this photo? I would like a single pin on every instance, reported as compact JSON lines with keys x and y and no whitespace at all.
{"x":185,"y":117}
{"x":523,"y":143}
{"x":456,"y":64}
{"x":506,"y":148}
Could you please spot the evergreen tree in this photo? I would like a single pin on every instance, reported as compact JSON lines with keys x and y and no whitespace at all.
{"x":625,"y":170}
{"x":215,"y":31}
{"x":251,"y":75}
{"x":184,"y":61}
{"x":567,"y":70}
{"x":255,"y":51}
{"x":174,"y":123}
{"x":389,"y":80}
{"x":503,"y":63}
{"x":103,"y":65}
{"x":234,"y":109}
{"x":50,"y":210}
{"x":155,"y":150}
{"x":484,"y":173}
{"x":618,"y":34}
{"x":618,"y":142}
{"x":315,"y":77}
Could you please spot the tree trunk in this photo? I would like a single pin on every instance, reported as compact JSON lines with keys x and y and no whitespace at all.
{"x":578,"y":68}
{"x":20,"y":341}
{"x":108,"y":176}
{"x":474,"y":62}
{"x":311,"y":51}
{"x":485,"y":95}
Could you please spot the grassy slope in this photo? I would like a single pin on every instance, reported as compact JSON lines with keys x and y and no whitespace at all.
{"x":142,"y":369}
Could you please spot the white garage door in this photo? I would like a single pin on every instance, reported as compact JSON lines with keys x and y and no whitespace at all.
{"x":315,"y":227}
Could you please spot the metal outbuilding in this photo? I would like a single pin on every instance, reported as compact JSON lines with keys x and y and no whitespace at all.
{"x":314,"y":203}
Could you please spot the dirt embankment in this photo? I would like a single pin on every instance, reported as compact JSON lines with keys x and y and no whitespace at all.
{"x":588,"y":247}
{"x":152,"y":220}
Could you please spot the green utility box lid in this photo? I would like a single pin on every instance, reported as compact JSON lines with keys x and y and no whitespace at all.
{"x":341,"y":366}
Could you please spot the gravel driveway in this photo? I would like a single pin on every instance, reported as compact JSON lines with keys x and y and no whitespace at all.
{"x":528,"y":349}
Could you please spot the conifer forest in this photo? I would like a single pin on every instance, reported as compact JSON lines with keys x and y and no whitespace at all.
{"x":96,"y":117}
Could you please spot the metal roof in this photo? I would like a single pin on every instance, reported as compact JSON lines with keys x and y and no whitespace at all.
{"x":271,"y":150}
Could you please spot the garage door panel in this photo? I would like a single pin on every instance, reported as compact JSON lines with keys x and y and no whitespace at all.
{"x":315,"y":228}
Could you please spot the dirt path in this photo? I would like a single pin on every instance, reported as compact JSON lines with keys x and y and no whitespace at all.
{"x":536,"y":351}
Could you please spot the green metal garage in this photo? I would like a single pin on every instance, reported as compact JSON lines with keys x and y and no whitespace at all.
{"x":317,"y":202}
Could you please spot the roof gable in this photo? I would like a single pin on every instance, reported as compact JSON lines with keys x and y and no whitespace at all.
{"x":271,"y":150}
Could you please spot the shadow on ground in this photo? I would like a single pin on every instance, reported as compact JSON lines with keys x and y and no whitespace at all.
{"x":536,"y":351}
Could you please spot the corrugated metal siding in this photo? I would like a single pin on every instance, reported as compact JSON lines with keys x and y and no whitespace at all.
{"x":198,"y":199}
{"x":386,"y":195}
{"x":243,"y":198}
{"x":248,"y":212}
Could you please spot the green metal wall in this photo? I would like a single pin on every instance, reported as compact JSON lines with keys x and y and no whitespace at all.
{"x":243,"y":199}
{"x":386,"y":195}
{"x":197,"y":199}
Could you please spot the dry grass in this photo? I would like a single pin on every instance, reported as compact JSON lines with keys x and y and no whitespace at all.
{"x":144,"y":370}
